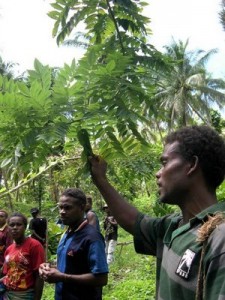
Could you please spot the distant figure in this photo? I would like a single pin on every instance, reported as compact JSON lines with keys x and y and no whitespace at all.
{"x":111,"y":234}
{"x":5,"y":236}
{"x":22,"y":260}
{"x":38,"y":226}
{"x":90,"y":214}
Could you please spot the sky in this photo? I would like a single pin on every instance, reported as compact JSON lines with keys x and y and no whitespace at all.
{"x":196,"y":20}
{"x":26,"y":31}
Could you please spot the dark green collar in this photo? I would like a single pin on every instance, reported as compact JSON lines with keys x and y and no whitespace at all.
{"x":173,"y":231}
{"x":212,"y":210}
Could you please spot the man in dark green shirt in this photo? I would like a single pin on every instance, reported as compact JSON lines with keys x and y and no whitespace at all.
{"x":190,"y":246}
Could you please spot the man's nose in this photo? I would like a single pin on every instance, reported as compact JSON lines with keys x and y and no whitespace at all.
{"x":158,"y":174}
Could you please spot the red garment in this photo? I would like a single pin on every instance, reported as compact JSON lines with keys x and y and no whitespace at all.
{"x":5,"y":241}
{"x":20,"y":263}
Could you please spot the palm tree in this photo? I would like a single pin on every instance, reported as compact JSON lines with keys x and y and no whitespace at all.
{"x":6,"y":68}
{"x":222,"y":14}
{"x":187,"y":92}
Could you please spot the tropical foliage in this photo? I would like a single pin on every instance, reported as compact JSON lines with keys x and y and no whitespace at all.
{"x":6,"y":68}
{"x":222,"y":14}
{"x":123,"y":91}
{"x":126,"y":94}
{"x":186,"y":93}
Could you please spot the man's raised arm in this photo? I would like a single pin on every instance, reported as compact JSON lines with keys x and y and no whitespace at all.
{"x":124,"y":213}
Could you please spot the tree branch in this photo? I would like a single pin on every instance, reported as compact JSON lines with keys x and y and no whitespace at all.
{"x":116,"y":26}
{"x":37,"y":175}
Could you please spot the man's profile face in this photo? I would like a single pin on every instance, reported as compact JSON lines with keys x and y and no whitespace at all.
{"x":70,"y":210}
{"x":172,"y":178}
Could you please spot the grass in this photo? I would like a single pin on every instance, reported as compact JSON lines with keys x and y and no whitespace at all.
{"x":131,"y":276}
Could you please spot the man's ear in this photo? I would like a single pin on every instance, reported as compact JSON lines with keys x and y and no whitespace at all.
{"x":194,"y":163}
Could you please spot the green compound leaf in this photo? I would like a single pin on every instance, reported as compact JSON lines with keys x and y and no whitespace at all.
{"x":84,"y":140}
